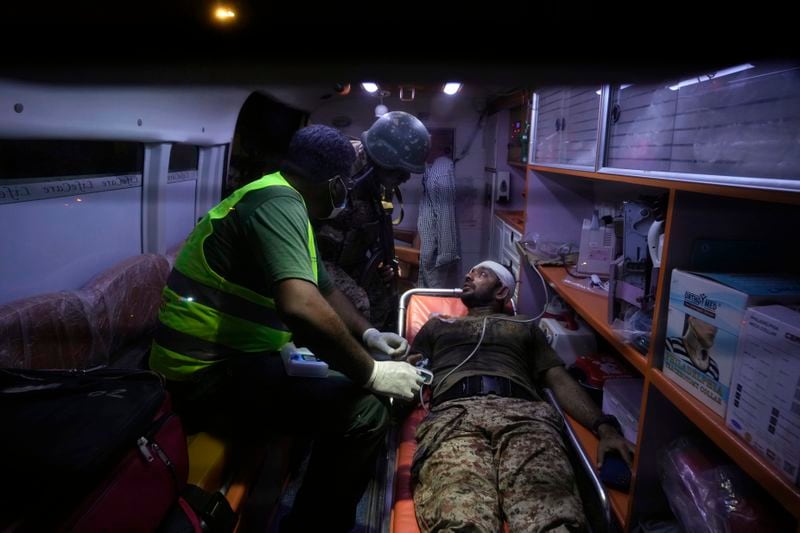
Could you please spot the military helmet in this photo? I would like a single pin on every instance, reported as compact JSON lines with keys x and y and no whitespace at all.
{"x":398,"y":140}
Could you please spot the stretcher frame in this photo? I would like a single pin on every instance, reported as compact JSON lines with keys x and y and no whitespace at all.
{"x":401,"y":512}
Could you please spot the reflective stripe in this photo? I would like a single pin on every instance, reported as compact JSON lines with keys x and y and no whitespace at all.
{"x":209,"y":324}
{"x":191,"y":347}
{"x":230,"y":304}
{"x":173,"y":365}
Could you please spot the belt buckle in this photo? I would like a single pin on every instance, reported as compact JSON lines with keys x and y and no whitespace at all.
{"x":494,"y":385}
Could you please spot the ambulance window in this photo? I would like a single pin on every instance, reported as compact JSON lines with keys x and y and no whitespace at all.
{"x":183,"y":157}
{"x":22,"y":159}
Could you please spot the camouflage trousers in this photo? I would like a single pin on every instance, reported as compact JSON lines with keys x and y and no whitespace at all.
{"x":488,"y":459}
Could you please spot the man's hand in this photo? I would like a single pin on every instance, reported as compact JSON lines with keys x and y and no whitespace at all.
{"x":386,"y":272}
{"x":610,"y":439}
{"x":385,"y":342}
{"x":413,"y":358}
{"x":397,"y":379}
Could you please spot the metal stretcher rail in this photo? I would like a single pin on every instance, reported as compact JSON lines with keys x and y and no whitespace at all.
{"x":585,"y":461}
{"x":401,"y":315}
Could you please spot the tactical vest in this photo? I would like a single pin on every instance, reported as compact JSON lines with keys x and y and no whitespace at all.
{"x":205,"y":318}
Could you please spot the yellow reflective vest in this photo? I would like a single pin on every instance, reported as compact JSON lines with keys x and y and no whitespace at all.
{"x":204,"y":318}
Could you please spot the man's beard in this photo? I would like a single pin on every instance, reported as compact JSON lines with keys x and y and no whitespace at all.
{"x":475,"y":299}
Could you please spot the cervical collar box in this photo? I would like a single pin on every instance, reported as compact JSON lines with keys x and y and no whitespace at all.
{"x":705,"y":314}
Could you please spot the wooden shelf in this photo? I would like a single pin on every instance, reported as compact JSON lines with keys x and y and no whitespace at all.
{"x":713,"y":426}
{"x":619,"y":500}
{"x":750,"y":193}
{"x":593,"y":308}
{"x":515,"y":219}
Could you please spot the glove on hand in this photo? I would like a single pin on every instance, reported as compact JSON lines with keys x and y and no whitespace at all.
{"x":397,"y":379}
{"x":389,"y":343}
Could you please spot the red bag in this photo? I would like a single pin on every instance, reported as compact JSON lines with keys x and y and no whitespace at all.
{"x":143,"y":487}
{"x":96,"y":450}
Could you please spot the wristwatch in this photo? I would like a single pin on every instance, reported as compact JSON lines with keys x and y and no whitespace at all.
{"x":606,"y":419}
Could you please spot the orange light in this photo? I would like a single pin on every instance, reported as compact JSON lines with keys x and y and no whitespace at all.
{"x":224,"y":14}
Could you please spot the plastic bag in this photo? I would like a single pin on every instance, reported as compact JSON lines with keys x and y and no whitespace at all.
{"x":549,"y":252}
{"x":634,"y":329}
{"x":588,"y":284}
{"x":708,"y":495}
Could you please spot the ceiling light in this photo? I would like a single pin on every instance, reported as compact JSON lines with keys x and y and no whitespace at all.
{"x":451,"y":88}
{"x":369,"y":86}
{"x":381,"y":110}
{"x":713,"y":75}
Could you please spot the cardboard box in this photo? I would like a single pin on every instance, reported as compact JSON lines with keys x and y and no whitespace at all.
{"x":765,"y":404}
{"x":623,"y":399}
{"x":705,"y":315}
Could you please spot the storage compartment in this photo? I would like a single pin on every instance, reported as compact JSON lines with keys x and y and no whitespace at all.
{"x":623,"y":399}
{"x":764,"y":409}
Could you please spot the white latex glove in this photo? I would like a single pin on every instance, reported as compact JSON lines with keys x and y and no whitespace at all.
{"x":397,"y":379}
{"x":389,"y":343}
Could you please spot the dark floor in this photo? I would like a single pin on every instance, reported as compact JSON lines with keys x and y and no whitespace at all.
{"x":371,"y":515}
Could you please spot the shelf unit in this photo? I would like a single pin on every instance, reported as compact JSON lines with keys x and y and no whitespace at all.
{"x":559,"y":195}
{"x":714,"y":425}
{"x":593,"y":308}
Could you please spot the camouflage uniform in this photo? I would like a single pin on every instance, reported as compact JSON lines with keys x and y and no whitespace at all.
{"x":485,"y":459}
{"x":349,"y":241}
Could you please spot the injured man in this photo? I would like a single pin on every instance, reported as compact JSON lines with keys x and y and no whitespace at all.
{"x":490,"y":449}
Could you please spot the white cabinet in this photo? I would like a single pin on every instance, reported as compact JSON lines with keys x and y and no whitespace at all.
{"x":735,"y":125}
{"x":566,"y":127}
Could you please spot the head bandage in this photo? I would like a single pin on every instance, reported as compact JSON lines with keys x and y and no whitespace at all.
{"x":502,"y":273}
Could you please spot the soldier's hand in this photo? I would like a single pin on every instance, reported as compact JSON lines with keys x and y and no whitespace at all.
{"x":413,"y":358}
{"x":386,"y":272}
{"x":610,"y":439}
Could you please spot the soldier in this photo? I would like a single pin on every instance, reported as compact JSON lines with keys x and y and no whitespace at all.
{"x":358,"y":245}
{"x":490,"y":449}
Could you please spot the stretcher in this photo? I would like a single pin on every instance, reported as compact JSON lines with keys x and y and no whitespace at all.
{"x":416,"y":307}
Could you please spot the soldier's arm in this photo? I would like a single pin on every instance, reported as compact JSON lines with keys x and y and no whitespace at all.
{"x":577,"y":404}
{"x":354,"y":321}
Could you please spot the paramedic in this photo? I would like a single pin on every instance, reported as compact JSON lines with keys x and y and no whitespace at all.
{"x":358,"y":245}
{"x":490,"y":449}
{"x":247,"y":280}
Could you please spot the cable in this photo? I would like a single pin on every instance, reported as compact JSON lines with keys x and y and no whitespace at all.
{"x":576,"y":276}
{"x":546,"y":294}
{"x":474,"y":351}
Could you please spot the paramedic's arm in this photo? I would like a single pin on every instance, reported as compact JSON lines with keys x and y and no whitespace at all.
{"x":578,"y":405}
{"x":309,"y":315}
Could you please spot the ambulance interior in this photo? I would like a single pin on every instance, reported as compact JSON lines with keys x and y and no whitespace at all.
{"x":629,"y":208}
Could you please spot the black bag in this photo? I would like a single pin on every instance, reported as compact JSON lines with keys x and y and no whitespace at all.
{"x":89,"y":442}
{"x":197,"y":511}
